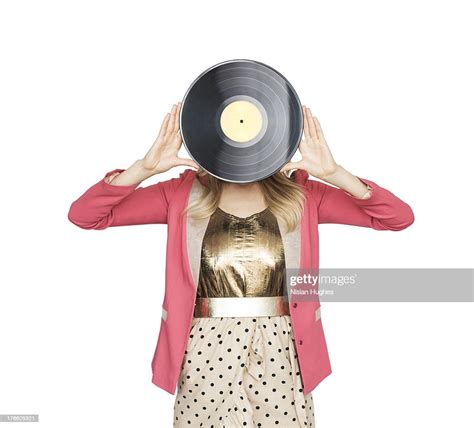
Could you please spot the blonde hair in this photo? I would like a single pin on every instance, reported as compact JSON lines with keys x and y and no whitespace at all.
{"x":283,"y":196}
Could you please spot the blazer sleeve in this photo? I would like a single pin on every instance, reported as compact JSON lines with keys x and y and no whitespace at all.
{"x":381,"y":210}
{"x":104,"y":205}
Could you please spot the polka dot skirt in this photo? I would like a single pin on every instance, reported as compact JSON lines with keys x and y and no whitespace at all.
{"x":241,"y":372}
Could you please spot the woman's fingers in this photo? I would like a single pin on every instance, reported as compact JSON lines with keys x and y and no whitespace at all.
{"x":177,"y":141}
{"x":313,"y":133}
{"x":164,"y":125}
{"x":305,"y":124}
{"x":318,"y":128}
{"x":309,"y":126}
{"x":176,"y":120}
{"x":170,"y":127}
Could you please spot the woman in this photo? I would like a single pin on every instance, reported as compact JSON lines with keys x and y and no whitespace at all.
{"x":238,"y":350}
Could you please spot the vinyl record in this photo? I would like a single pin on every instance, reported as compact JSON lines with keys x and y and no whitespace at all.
{"x":241,"y":121}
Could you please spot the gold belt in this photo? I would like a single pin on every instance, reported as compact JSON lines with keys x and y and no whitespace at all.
{"x":241,"y":306}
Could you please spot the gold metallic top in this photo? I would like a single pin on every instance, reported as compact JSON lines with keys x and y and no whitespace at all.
{"x":242,"y":256}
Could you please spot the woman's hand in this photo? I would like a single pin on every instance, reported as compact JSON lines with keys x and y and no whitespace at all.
{"x":163,"y":154}
{"x":316,"y":156}
{"x":317,"y":160}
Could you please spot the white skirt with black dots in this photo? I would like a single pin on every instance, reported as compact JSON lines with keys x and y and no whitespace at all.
{"x":241,"y":372}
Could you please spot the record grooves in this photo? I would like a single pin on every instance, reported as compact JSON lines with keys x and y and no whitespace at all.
{"x":241,"y":121}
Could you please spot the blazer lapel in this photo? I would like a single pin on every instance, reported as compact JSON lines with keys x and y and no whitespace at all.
{"x":195,"y":229}
{"x":291,"y":245}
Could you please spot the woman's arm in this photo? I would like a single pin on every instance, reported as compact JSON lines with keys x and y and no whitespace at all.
{"x":116,"y":200}
{"x":377,"y":208}
{"x":353,"y":201}
{"x":104,"y":205}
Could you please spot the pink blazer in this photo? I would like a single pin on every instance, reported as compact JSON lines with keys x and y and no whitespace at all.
{"x":104,"y":205}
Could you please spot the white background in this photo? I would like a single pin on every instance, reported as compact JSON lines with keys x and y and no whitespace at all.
{"x":84,"y":87}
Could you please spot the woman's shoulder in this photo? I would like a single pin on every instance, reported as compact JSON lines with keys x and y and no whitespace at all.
{"x":300,"y":176}
{"x":185,"y":175}
{"x":171,"y":186}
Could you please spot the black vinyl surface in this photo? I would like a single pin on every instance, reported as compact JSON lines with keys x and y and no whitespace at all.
{"x":200,"y":121}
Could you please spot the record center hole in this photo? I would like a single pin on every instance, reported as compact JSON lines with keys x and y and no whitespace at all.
{"x":241,"y":121}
